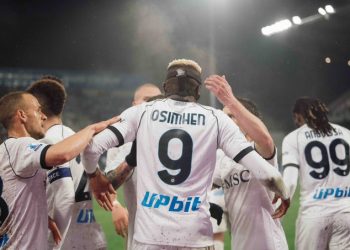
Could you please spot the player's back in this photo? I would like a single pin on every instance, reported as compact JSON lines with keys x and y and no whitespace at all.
{"x":176,"y":145}
{"x":324,"y":168}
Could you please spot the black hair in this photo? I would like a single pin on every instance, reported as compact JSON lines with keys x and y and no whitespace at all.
{"x":314,"y":113}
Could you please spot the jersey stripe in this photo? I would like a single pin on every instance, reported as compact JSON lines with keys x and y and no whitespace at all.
{"x":243,"y":153}
{"x":43,"y":156}
{"x":117,"y":134}
{"x":273,"y":154}
{"x":290,"y":165}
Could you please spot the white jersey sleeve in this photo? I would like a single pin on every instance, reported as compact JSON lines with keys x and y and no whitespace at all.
{"x":230,"y":139}
{"x":32,"y":156}
{"x":115,"y":135}
{"x":290,"y":154}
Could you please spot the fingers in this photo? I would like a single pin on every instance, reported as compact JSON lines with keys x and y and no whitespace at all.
{"x":55,"y":231}
{"x":111,"y":191}
{"x":114,"y":120}
{"x":101,"y":200}
{"x":121,"y":229}
{"x":108,"y":201}
{"x":282,"y":209}
{"x":57,"y":237}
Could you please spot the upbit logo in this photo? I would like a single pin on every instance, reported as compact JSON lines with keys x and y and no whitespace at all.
{"x":338,"y":192}
{"x":191,"y":203}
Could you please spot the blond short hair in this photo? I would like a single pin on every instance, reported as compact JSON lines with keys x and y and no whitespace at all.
{"x":185,"y":62}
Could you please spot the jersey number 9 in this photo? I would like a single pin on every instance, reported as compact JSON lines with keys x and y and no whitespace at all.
{"x":183,"y":163}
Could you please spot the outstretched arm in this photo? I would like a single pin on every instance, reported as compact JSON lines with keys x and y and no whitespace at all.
{"x":72,"y":146}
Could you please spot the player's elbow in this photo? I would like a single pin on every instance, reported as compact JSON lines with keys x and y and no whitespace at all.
{"x":267,"y":144}
{"x":63,"y":158}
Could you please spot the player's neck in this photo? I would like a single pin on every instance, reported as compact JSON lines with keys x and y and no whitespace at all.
{"x":182,"y":98}
{"x":52,"y":121}
{"x":17,"y":131}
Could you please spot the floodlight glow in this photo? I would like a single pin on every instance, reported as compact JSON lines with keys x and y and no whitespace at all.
{"x":276,"y":27}
{"x":349,"y":62}
{"x":267,"y":31}
{"x":296,"y":20}
{"x":282,"y":25}
{"x":327,"y":60}
{"x":322,"y":11}
{"x":329,"y":9}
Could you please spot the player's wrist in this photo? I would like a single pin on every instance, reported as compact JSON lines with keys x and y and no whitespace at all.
{"x":116,"y":203}
{"x":94,"y":173}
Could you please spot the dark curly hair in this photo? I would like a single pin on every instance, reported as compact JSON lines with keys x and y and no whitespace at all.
{"x":51,"y":94}
{"x":314,"y":113}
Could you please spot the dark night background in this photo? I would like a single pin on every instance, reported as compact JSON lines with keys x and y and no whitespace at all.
{"x":141,"y":37}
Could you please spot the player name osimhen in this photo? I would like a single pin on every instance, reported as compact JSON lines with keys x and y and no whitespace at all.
{"x":176,"y":118}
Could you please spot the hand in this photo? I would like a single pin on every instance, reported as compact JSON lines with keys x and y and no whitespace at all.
{"x":120,"y":219}
{"x":104,"y":124}
{"x":102,"y":190}
{"x":283,"y":207}
{"x":216,"y":212}
{"x":220,"y":88}
{"x":55,"y":231}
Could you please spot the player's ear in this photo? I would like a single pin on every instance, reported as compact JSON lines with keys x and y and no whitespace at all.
{"x":21,"y":114}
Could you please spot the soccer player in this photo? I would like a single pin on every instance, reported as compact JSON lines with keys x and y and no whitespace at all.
{"x":176,"y":152}
{"x":318,"y":151}
{"x":123,"y":220}
{"x":67,"y":200}
{"x":23,"y":160}
{"x":249,"y":204}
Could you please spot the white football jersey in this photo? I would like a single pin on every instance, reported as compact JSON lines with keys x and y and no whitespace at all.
{"x":84,"y":232}
{"x":176,"y":153}
{"x":324,"y":166}
{"x":23,"y":217}
{"x":60,"y":187}
{"x":249,"y":206}
{"x":115,"y":156}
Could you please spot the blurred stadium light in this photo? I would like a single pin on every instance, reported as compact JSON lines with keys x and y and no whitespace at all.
{"x":286,"y":23}
{"x":329,"y":9}
{"x":276,"y":27}
{"x":297,"y":20}
{"x":322,"y":11}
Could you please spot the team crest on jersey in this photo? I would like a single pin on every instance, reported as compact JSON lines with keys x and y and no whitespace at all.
{"x":34,"y":146}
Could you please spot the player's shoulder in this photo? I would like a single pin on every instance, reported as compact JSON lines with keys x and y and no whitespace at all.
{"x":23,"y":143}
{"x":67,"y":130}
{"x":292,"y":136}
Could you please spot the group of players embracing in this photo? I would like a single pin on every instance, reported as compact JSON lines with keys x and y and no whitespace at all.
{"x":180,"y":163}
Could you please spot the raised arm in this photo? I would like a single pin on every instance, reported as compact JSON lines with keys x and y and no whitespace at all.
{"x":248,"y":122}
